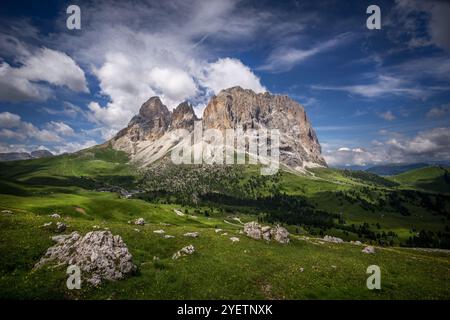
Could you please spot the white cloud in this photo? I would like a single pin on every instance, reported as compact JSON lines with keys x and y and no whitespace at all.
{"x":15,"y":88}
{"x":176,"y":84}
{"x":227,"y":72}
{"x":60,"y":128}
{"x":103,"y":132}
{"x":60,"y":70}
{"x":24,"y":130}
{"x":15,"y":147}
{"x":422,"y":23}
{"x":428,"y":145}
{"x":43,"y":135}
{"x":434,"y":143}
{"x":43,"y":65}
{"x":52,"y":136}
{"x":437,"y":68}
{"x":347,"y":157}
{"x":67,"y":109}
{"x":70,"y":147}
{"x":383,"y":85}
{"x":439,"y":112}
{"x":285,"y":58}
{"x":9,"y":120}
{"x":10,"y":134}
{"x":170,"y":57}
{"x":388,"y":115}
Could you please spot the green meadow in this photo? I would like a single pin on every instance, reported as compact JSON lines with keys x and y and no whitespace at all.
{"x":306,"y":268}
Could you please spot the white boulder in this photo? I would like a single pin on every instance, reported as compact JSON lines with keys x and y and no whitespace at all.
{"x":192,"y":234}
{"x":139,"y":222}
{"x":99,"y":254}
{"x":277,"y":233}
{"x":333,"y":239}
{"x":188,"y":250}
{"x":368,"y":250}
{"x":280,"y":234}
{"x":60,"y":227}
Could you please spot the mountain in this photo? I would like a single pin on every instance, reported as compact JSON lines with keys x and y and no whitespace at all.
{"x":11,"y":156}
{"x":41,"y":154}
{"x":396,"y":168}
{"x":353,"y":167}
{"x":151,"y":134}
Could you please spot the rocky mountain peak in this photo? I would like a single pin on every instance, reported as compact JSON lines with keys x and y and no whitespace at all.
{"x":233,"y":107}
{"x":147,"y":136}
{"x":153,"y":107}
{"x":152,"y":122}
{"x":183,"y":117}
{"x":11,"y":156}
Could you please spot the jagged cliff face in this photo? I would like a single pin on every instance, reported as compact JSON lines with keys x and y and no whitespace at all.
{"x":151,"y":123}
{"x":299,"y":146}
{"x":183,"y":117}
{"x":148,"y":137}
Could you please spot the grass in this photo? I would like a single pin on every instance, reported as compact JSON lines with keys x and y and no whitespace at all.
{"x":435,"y":179}
{"x":219,"y":269}
{"x":323,"y":190}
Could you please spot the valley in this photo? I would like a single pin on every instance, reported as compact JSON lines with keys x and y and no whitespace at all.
{"x":325,"y":202}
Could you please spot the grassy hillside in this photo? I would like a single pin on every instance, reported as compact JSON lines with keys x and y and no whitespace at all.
{"x":435,"y":179}
{"x":90,"y":168}
{"x":396,"y":168}
{"x":336,"y":202}
{"x":219,"y":269}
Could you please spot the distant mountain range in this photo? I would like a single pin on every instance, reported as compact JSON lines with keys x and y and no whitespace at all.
{"x":392,"y":169}
{"x":11,"y":156}
{"x":396,"y":168}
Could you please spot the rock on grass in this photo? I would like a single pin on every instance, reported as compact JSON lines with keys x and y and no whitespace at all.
{"x":188,"y":250}
{"x":277,"y":233}
{"x":98,"y":254}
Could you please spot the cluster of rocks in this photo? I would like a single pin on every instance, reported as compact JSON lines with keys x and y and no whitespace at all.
{"x":188,"y":250}
{"x":123,"y":193}
{"x":139,"y":222}
{"x":99,"y":254}
{"x":192,"y":234}
{"x":277,"y":233}
{"x":333,"y":239}
{"x":59,"y":226}
{"x":178,"y":212}
{"x":368,"y":250}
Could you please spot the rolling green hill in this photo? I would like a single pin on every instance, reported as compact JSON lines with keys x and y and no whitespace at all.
{"x":435,"y":178}
{"x":395,"y":168}
{"x":85,"y":189}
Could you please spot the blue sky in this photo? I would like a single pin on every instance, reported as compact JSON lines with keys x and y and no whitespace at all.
{"x":373,"y":96}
